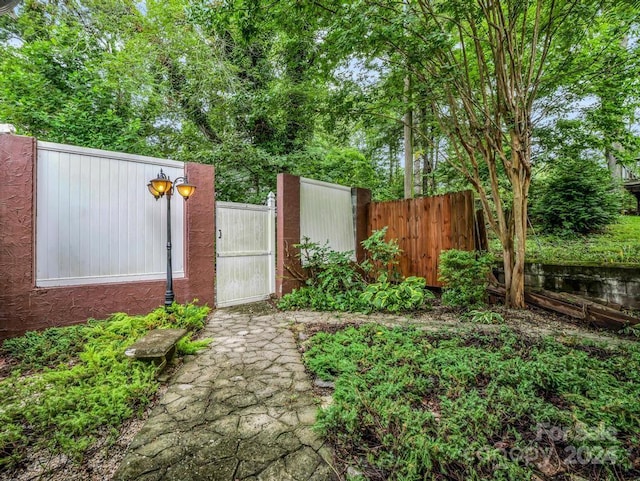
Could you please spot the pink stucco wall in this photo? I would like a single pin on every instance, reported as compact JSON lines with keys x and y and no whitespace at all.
{"x":25,"y":307}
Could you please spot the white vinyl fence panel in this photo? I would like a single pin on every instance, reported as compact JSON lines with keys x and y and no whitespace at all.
{"x":96,"y":222}
{"x":245,"y":253}
{"x":326,"y":215}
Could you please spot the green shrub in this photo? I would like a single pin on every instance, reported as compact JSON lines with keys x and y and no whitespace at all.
{"x":410,"y":294}
{"x":381,"y":256}
{"x":314,"y":298}
{"x":335,"y":282}
{"x":464,"y":276}
{"x":187,"y":346}
{"x":576,"y":196}
{"x":51,"y":347}
{"x":328,"y":270}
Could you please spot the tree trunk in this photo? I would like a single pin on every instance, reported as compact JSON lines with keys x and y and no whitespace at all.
{"x":520,"y":177}
{"x":508,"y":258}
{"x":615,"y":169}
{"x":408,"y":141}
{"x":516,"y":293}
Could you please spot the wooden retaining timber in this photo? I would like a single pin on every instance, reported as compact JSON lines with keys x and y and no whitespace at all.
{"x":574,"y":306}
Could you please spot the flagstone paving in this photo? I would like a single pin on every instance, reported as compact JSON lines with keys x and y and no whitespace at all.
{"x":243,"y":408}
{"x":240,"y":410}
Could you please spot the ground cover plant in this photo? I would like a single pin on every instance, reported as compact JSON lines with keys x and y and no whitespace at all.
{"x":617,"y":244}
{"x":68,"y":384}
{"x":334,"y":282}
{"x":412,"y":405}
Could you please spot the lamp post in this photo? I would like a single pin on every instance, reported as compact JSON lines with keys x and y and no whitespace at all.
{"x":163,"y":186}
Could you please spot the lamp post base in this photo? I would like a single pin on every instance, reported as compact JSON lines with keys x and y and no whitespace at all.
{"x":168,"y":299}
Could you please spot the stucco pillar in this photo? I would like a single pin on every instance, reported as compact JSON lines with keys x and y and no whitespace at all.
{"x":17,"y":157}
{"x":288,"y":234}
{"x":361,"y":200}
{"x":199,"y":236}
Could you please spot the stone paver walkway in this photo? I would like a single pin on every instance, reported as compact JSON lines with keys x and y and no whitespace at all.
{"x":241,"y":410}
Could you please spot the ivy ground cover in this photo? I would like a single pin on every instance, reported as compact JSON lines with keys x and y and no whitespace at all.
{"x":414,"y":405}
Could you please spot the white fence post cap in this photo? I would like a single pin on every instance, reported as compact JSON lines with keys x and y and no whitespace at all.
{"x":7,"y":129}
{"x":271,"y":200}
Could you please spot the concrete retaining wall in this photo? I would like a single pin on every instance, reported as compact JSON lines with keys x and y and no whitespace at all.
{"x":618,"y":285}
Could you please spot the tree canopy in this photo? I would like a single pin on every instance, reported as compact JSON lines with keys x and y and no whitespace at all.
{"x":473,"y":93}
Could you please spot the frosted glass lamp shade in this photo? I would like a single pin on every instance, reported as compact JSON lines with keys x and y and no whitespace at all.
{"x":153,"y":191}
{"x":161,"y":185}
{"x":186,"y":190}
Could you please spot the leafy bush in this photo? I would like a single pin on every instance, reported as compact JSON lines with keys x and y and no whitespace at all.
{"x":408,"y":295}
{"x":335,"y":282}
{"x":188,"y":346}
{"x":381,"y":256}
{"x":464,"y":276}
{"x":412,"y":405}
{"x":330,"y":271}
{"x":60,"y":401}
{"x":311,"y":297}
{"x":577,"y":196}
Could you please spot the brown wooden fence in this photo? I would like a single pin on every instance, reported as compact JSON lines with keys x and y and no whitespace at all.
{"x":424,"y":227}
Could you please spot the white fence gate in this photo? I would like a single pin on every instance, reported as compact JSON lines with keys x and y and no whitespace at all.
{"x":245,"y":252}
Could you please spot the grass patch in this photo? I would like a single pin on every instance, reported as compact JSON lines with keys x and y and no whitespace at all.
{"x":69,"y":384}
{"x":618,"y":244}
{"x":412,"y":405}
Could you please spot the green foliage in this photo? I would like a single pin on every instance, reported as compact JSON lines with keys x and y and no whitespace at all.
{"x":618,"y":244}
{"x":60,"y":399}
{"x":318,"y":300}
{"x":335,"y":282}
{"x":465,"y":277}
{"x":381,"y":256}
{"x":483,"y":316}
{"x":327,"y":269}
{"x":49,"y":348}
{"x":633,"y":331}
{"x":408,"y":295}
{"x":409,"y":403}
{"x":187,"y":346}
{"x":57,"y":80}
{"x":238,"y":85}
{"x":628,"y":202}
{"x":340,"y":165}
{"x":577,"y":196}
